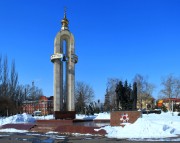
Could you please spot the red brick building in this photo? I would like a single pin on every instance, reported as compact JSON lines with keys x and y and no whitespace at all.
{"x":168,"y":102}
{"x":44,"y":104}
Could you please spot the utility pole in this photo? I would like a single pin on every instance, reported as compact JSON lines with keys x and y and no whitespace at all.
{"x":172,"y":108}
{"x":7,"y":112}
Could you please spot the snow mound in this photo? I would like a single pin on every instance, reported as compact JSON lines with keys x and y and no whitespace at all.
{"x":85,"y":117}
{"x":19,"y":118}
{"x":11,"y":130}
{"x":104,"y":115}
{"x":150,"y":126}
{"x":23,"y":118}
{"x":140,"y":129}
{"x":48,"y":117}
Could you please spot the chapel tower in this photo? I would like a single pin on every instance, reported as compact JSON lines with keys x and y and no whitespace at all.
{"x":64,"y":60}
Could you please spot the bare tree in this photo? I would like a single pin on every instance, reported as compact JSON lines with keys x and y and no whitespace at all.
{"x":107,"y":105}
{"x":0,"y":69}
{"x":84,"y":95}
{"x":171,"y":88}
{"x":27,"y":91}
{"x":38,"y":92}
{"x":5,"y":77}
{"x":177,"y":88}
{"x":111,"y":88}
{"x":19,"y":95}
{"x":13,"y":83}
{"x":1,"y":75}
{"x":12,"y":94}
{"x":144,"y":88}
{"x":168,"y":83}
{"x":33,"y":92}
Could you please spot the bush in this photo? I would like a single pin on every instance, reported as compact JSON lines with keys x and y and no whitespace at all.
{"x":164,"y":108}
{"x":176,"y":107}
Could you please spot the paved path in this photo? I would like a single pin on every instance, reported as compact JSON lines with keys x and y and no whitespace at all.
{"x":86,"y":139}
{"x":55,"y":138}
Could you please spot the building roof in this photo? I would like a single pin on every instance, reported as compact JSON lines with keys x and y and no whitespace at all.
{"x":44,"y":98}
{"x":171,"y":99}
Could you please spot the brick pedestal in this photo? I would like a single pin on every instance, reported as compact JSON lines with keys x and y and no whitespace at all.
{"x":54,"y":122}
{"x":118,"y":118}
{"x":65,"y":115}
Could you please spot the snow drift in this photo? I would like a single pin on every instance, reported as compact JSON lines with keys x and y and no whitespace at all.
{"x":19,"y":118}
{"x":150,"y":126}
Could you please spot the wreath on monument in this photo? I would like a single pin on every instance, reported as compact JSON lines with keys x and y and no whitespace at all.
{"x":124,"y":118}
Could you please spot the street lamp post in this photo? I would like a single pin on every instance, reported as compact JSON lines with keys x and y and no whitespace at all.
{"x":141,"y":105}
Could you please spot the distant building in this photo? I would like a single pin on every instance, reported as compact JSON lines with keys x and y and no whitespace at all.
{"x":44,"y":104}
{"x":168,"y":102}
{"x":148,"y":103}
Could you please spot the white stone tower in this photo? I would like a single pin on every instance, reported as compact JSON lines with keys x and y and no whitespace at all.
{"x":64,"y":60}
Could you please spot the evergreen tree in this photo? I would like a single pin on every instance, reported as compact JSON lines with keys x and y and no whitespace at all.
{"x":129,"y":98}
{"x":126,"y":96}
{"x":134,"y":95}
{"x":119,"y":95}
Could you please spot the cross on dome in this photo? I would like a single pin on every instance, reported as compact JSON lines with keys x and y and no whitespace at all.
{"x":64,"y":21}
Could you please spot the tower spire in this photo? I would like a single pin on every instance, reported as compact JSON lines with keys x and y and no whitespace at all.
{"x":64,"y":21}
{"x":64,"y":12}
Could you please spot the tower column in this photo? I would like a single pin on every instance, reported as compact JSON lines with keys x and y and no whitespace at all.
{"x":64,"y":90}
{"x":57,"y":85}
{"x":70,"y":85}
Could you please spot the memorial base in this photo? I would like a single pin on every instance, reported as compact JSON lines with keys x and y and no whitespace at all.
{"x":65,"y":115}
{"x":121,"y":118}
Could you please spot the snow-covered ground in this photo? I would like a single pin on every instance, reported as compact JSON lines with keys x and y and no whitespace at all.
{"x":149,"y":126}
{"x":85,"y":117}
{"x":26,"y":118}
{"x":103,"y":116}
{"x":19,"y":118}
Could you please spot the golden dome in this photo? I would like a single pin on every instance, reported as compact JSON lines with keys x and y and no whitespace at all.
{"x":64,"y":22}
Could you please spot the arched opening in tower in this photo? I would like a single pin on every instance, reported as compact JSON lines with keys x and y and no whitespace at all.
{"x":64,"y":62}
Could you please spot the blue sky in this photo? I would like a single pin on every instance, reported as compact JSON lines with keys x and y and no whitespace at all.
{"x":114,"y":39}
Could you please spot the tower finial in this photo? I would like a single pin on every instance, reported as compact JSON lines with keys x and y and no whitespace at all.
{"x":64,"y":12}
{"x":64,"y":21}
